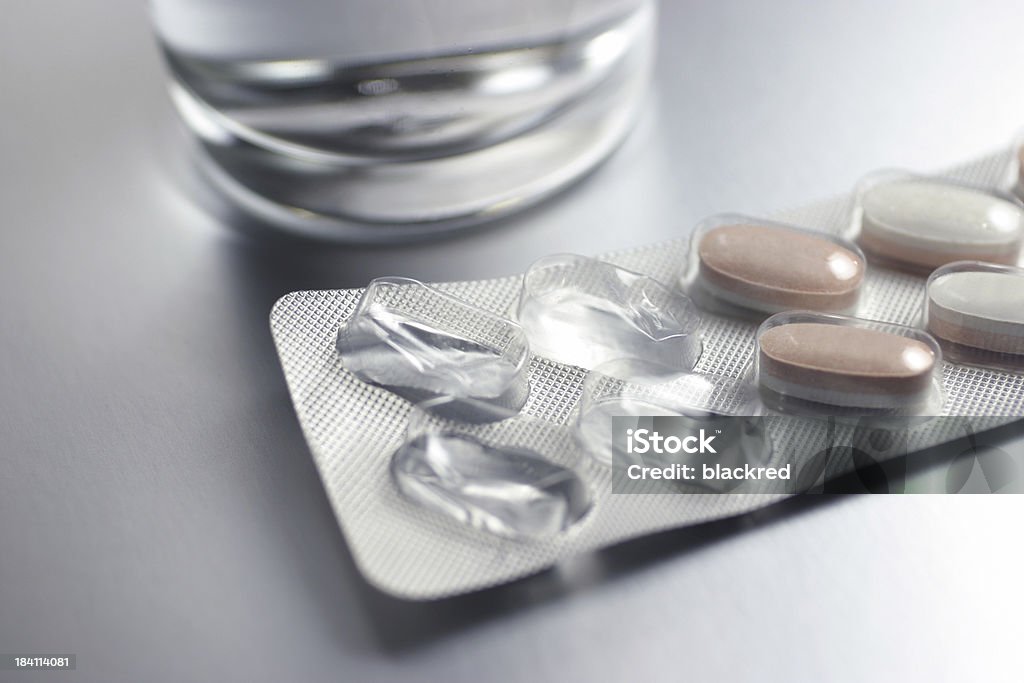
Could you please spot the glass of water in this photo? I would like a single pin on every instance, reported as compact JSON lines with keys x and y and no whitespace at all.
{"x":384,"y":120}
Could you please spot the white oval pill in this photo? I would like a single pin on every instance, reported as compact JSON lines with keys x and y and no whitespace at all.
{"x":926,"y":224}
{"x":980,"y":309}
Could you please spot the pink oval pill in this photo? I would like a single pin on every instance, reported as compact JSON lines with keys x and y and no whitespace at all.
{"x":773,"y":268}
{"x":844,"y":365}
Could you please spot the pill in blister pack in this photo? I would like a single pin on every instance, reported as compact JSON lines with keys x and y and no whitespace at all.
{"x":810,"y":362}
{"x":751,"y":267}
{"x":586,"y":312}
{"x":921,"y":223}
{"x":976,"y":312}
{"x":421,"y":343}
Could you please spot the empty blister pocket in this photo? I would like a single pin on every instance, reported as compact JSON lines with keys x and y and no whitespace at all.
{"x":586,"y":312}
{"x":421,"y":343}
{"x":636,"y":389}
{"x":513,"y":478}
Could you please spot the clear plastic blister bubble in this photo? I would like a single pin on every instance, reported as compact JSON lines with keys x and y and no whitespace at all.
{"x":626,"y":398}
{"x":642,"y":389}
{"x":421,"y":343}
{"x":514,"y":478}
{"x":749,"y":267}
{"x":809,"y":363}
{"x":976,"y":312}
{"x":585,"y":312}
{"x":918,"y":223}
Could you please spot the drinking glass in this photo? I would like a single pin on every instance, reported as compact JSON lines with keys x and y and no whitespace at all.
{"x":385,"y":120}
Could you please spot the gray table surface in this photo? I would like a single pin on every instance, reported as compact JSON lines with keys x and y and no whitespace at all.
{"x":160,"y":515}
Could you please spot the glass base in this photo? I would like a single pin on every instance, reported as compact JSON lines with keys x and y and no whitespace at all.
{"x":398,"y":193}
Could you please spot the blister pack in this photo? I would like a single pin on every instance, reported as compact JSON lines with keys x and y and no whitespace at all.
{"x":471,"y":433}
